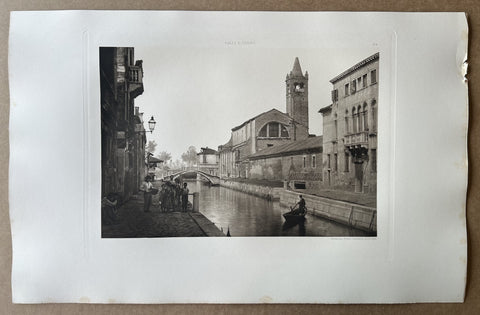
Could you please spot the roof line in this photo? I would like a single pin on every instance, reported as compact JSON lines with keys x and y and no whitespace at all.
{"x":287,"y":153}
{"x":325,"y":109}
{"x":290,"y":148}
{"x":355,"y":67}
{"x":249,"y":120}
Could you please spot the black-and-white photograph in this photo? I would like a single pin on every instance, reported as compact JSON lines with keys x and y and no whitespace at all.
{"x":197,"y":156}
{"x":239,"y":141}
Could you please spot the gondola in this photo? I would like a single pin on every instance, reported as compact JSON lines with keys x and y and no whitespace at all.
{"x":293,"y":216}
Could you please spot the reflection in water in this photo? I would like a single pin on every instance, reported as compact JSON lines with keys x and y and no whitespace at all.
{"x":247,"y":215}
{"x":292,"y":223}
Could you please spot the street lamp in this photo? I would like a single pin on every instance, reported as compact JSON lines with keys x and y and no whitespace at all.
{"x":151,"y":124}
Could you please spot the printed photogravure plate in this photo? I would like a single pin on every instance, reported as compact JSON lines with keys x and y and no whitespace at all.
{"x":421,"y":208}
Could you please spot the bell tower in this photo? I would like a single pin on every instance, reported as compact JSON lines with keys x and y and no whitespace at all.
{"x":297,"y":95}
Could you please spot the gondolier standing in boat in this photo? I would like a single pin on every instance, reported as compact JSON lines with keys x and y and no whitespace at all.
{"x":301,"y":206}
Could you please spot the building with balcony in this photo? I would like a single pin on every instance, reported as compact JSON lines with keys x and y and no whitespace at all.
{"x":268,"y":129}
{"x":123,"y":135}
{"x":350,"y":129}
{"x":140,"y":168}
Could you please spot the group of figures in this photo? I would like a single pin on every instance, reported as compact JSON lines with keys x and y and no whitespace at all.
{"x":173,"y":196}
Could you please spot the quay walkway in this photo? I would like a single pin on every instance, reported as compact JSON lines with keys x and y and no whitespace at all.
{"x":132,"y":221}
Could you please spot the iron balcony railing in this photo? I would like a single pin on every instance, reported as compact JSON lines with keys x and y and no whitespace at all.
{"x":135,"y":74}
{"x":356,"y":138}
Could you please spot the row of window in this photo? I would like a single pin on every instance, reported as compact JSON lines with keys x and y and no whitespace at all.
{"x":313,"y":161}
{"x":358,"y":83}
{"x":359,"y":119}
{"x":347,"y":161}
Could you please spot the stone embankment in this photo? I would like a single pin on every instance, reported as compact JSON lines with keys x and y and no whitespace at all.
{"x":347,"y":213}
{"x":269,"y":193}
{"x":350,"y":214}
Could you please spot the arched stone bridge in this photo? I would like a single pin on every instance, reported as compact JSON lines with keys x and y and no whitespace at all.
{"x":214,"y":180}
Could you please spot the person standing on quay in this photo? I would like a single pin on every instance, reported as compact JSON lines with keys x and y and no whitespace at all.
{"x":147,"y":194}
{"x":185,"y":192}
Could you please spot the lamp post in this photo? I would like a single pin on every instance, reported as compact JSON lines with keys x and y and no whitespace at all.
{"x":151,"y":127}
{"x":151,"y":124}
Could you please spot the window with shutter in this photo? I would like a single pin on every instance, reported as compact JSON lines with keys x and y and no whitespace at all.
{"x":374,"y":160}
{"x":346,"y":163}
{"x":334,"y":95}
{"x":353,"y":87}
{"x":373,"y":76}
{"x":365,"y":116}
{"x":354,"y":120}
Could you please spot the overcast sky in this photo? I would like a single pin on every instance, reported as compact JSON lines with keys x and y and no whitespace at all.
{"x":198,"y":95}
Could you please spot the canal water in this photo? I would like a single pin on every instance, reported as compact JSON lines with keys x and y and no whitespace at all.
{"x":247,"y":215}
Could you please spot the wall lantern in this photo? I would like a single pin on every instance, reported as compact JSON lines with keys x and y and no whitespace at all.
{"x":151,"y":124}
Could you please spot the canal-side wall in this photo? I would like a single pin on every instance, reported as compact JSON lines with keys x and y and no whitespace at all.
{"x":350,"y":214}
{"x":269,"y":193}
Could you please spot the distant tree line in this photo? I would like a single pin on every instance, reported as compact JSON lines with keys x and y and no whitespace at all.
{"x":189,"y":158}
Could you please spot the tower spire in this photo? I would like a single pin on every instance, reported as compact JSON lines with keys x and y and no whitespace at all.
{"x":297,"y":99}
{"x":297,"y":70}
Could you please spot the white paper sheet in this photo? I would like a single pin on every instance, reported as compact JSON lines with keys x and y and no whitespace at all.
{"x":419,"y":255}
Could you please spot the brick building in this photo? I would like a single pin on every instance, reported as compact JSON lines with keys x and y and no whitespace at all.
{"x":297,"y":162}
{"x":268,"y":129}
{"x":123,"y":135}
{"x":350,"y":129}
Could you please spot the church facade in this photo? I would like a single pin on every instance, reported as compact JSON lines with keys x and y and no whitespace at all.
{"x":350,"y":129}
{"x":268,"y":129}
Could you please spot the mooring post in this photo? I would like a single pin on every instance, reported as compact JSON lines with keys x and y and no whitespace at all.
{"x":196,"y":196}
